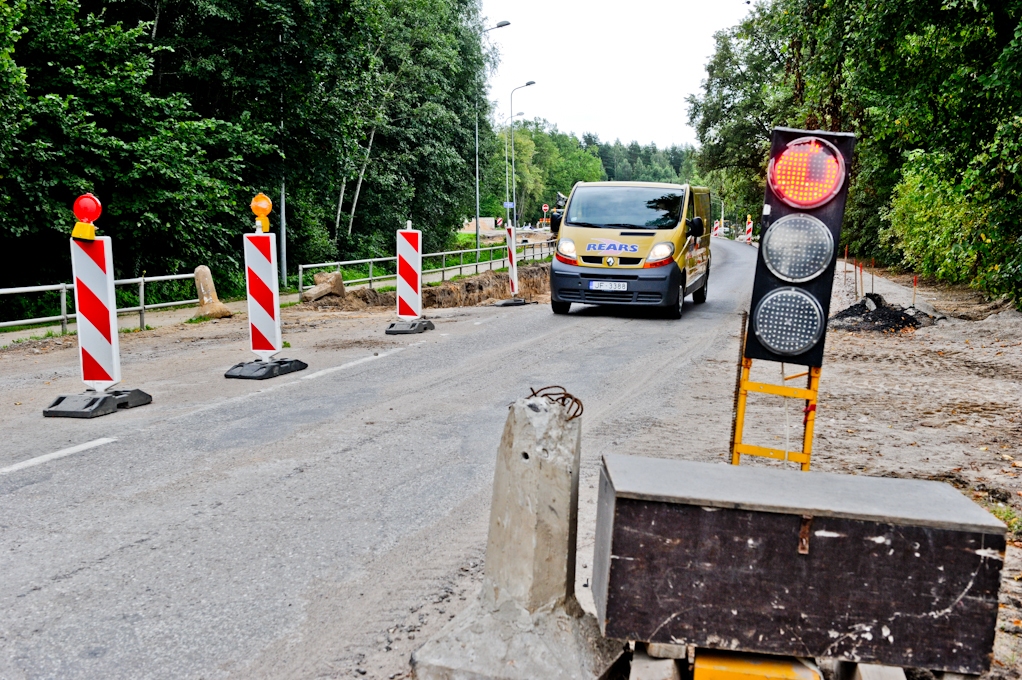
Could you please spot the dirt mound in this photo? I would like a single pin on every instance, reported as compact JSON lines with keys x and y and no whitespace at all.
{"x":873,"y":313}
{"x":532,"y":280}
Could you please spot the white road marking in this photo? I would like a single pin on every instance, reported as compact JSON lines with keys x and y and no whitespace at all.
{"x":39,"y":460}
{"x":356,"y":362}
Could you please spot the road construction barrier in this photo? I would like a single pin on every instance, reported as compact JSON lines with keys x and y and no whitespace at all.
{"x":512,"y":262}
{"x":748,"y":230}
{"x":263,"y":295}
{"x":92,"y":264}
{"x":409,"y":273}
{"x":92,"y":267}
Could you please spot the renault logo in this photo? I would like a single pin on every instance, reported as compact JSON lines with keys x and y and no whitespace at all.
{"x":610,"y":261}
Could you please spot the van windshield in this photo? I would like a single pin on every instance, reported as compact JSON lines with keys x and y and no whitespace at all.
{"x":617,"y":207}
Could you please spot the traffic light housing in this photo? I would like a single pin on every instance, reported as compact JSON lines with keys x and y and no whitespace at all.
{"x":807,"y":184}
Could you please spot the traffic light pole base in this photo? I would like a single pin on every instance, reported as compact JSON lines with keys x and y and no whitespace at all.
{"x":409,"y":327}
{"x":261,"y":370}
{"x":809,"y":394}
{"x":92,"y":404}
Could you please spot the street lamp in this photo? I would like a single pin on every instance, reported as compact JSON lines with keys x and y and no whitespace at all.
{"x":500,"y":24}
{"x":514,"y":189}
{"x":507,"y":179}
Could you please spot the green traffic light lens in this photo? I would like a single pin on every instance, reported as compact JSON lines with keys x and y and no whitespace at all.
{"x":788,"y":321}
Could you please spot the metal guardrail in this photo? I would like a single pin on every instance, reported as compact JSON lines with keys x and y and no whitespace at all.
{"x":530,"y":251}
{"x":63,"y":318}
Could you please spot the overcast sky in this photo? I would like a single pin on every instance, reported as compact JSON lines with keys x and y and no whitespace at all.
{"x":620,"y":69}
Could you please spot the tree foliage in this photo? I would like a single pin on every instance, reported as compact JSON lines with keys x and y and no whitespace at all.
{"x":176,"y":112}
{"x":546,"y":161}
{"x":933,"y":90}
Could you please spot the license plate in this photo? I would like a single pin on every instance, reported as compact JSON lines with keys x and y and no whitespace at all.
{"x":608,"y":285}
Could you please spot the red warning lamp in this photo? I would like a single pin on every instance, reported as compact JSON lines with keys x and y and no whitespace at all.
{"x":809,"y":172}
{"x":87,"y":209}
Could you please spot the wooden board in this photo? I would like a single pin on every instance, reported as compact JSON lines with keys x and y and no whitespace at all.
{"x":711,"y":569}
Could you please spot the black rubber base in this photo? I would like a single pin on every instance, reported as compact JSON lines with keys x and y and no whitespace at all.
{"x":261,"y":370}
{"x":407,"y":327}
{"x":94,"y":404}
{"x":513,"y":302}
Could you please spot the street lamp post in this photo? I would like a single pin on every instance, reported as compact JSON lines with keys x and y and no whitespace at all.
{"x":507,"y":177}
{"x":500,"y":24}
{"x":514,"y":188}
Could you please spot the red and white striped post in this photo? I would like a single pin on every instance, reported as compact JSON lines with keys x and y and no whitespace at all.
{"x":512,"y":258}
{"x":92,"y":263}
{"x":748,"y":229}
{"x":263,"y":301}
{"x":263,"y":295}
{"x":409,"y":273}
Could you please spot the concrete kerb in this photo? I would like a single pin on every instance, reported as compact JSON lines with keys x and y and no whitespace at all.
{"x":526,"y":623}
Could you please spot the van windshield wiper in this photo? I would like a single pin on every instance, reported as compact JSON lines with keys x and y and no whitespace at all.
{"x":626,"y":226}
{"x":586,"y":224}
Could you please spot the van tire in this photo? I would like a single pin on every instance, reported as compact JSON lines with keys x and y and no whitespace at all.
{"x":674,"y":311}
{"x":699,"y":297}
{"x":560,"y":307}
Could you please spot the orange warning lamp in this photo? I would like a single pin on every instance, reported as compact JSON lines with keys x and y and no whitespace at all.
{"x":87,"y":209}
{"x":262,"y":205}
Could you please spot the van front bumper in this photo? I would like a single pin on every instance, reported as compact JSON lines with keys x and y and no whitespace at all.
{"x":657,"y":287}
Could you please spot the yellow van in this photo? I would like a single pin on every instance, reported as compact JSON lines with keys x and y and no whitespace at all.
{"x":631,"y":243}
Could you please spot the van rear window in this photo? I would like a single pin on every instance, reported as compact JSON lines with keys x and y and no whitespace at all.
{"x":619,"y":207}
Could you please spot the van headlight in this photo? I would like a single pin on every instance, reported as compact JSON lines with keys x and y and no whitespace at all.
{"x":566,"y":247}
{"x":659,"y":253}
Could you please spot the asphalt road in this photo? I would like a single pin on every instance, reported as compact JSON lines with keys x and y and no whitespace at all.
{"x":289,"y":528}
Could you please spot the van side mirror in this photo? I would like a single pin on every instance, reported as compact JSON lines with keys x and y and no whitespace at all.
{"x":695,"y":227}
{"x":555,"y":221}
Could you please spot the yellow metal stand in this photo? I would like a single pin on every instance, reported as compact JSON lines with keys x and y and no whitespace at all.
{"x":809,"y":394}
{"x":713,"y":664}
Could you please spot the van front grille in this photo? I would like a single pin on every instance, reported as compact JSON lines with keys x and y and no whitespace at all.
{"x":609,"y":296}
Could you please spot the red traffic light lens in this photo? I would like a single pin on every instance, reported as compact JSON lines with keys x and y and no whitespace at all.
{"x":808,"y":173}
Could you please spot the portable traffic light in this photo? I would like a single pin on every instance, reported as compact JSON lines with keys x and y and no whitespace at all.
{"x":807,"y":184}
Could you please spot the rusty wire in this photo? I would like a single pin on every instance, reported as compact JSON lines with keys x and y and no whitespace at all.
{"x":556,"y":394}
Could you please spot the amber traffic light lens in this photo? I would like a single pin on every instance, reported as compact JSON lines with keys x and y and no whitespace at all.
{"x":797,"y":248}
{"x":808,"y":173}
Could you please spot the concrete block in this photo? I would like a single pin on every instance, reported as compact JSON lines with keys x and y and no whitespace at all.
{"x":645,"y":667}
{"x":867,"y":671}
{"x":526,"y":623}
{"x":530,"y":552}
{"x":661,"y":650}
{"x":209,"y":304}
{"x":327,"y":283}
